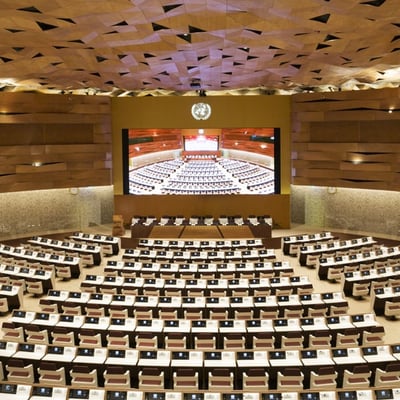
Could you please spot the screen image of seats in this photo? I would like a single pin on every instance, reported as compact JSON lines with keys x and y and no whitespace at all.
{"x":204,"y":161}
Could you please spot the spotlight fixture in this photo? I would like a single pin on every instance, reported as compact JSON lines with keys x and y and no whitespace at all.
{"x":195,"y":84}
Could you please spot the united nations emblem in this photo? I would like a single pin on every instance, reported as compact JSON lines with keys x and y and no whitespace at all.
{"x":201,"y":111}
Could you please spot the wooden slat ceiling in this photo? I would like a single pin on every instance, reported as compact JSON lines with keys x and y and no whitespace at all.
{"x":164,"y":47}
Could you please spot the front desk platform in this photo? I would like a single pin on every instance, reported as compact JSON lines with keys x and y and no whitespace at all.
{"x":214,"y":231}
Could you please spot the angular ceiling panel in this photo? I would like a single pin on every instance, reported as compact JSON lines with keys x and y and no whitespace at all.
{"x":136,"y":46}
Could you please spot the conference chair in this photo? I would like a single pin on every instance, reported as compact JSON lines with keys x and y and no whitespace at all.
{"x":118,"y":312}
{"x":150,"y":291}
{"x":360,"y":290}
{"x":4,"y":308}
{"x":71,"y":308}
{"x":87,"y":287}
{"x":50,"y":374}
{"x":317,"y":310}
{"x":130,"y":291}
{"x":193,"y":313}
{"x":218,"y":313}
{"x":63,"y":272}
{"x":323,"y":379}
{"x":216,"y":292}
{"x":186,"y":379}
{"x":293,"y":312}
{"x":34,"y":287}
{"x":234,"y":341}
{"x":87,"y":259}
{"x":19,"y":372}
{"x":36,"y":335}
{"x":4,"y":280}
{"x":172,"y":291}
{"x":284,"y":291}
{"x":48,"y":306}
{"x":264,"y":341}
{"x":204,"y":341}
{"x":373,"y":336}
{"x":151,"y":378}
{"x":12,"y":332}
{"x":320,"y":340}
{"x":269,"y":313}
{"x":109,"y":290}
{"x":388,"y":377}
{"x":290,"y":379}
{"x":143,"y":313}
{"x":175,"y":341}
{"x":350,"y":268}
{"x":89,"y":338}
{"x":244,"y":313}
{"x":357,"y":378}
{"x":338,"y":309}
{"x":167,"y":313}
{"x":255,"y":379}
{"x":146,"y":341}
{"x":83,"y":377}
{"x":306,"y":289}
{"x":292,"y":341}
{"x":116,"y":377}
{"x":220,"y":379}
{"x":95,"y":310}
{"x":62,"y":336}
{"x":392,"y":308}
{"x":117,"y":339}
{"x":195,"y":292}
{"x":335,"y":274}
{"x":348,"y":338}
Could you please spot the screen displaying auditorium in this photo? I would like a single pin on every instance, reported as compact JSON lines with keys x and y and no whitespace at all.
{"x":201,"y":161}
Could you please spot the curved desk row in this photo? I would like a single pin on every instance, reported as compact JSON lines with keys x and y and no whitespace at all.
{"x":16,"y":254}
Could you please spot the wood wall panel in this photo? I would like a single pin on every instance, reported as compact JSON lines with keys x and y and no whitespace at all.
{"x":54,"y":141}
{"x":347,"y":139}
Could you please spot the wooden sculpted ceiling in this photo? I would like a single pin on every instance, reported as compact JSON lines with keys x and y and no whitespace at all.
{"x":176,"y":47}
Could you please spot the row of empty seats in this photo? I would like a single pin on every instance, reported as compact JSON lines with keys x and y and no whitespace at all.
{"x":141,"y":334}
{"x":21,"y":391}
{"x":380,"y":257}
{"x":291,"y":244}
{"x":142,"y":374}
{"x":166,"y":270}
{"x":195,"y":220}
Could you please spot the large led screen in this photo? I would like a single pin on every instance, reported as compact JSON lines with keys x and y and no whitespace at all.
{"x":230,"y":161}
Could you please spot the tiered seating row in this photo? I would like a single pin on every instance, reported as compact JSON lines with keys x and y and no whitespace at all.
{"x":16,"y":255}
{"x":227,"y":256}
{"x":205,"y":307}
{"x":40,"y":277}
{"x":291,"y":244}
{"x":110,"y":244}
{"x":370,"y":279}
{"x":309,"y":255}
{"x":70,"y":358}
{"x":202,"y":334}
{"x":226,"y":244}
{"x":38,"y":392}
{"x":382,"y":254}
{"x":91,"y":254}
{"x":202,"y":220}
{"x":248,"y":270}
